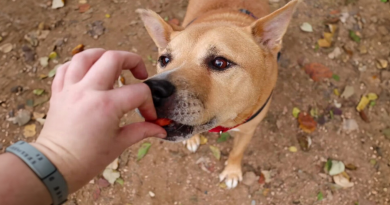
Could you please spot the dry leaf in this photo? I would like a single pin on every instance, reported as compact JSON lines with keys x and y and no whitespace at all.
{"x":84,"y":7}
{"x":317,"y":71}
{"x":296,"y":112}
{"x":372,"y":96}
{"x":362,"y":104}
{"x":293,"y":149}
{"x":304,"y":142}
{"x":323,"y":43}
{"x":350,"y":167}
{"x":348,"y":92}
{"x":79,"y":48}
{"x":29,"y":130}
{"x":306,"y":122}
{"x":203,"y":140}
{"x":267,"y":176}
{"x":342,"y":181}
{"x":364,"y":117}
{"x":57,"y":4}
{"x":336,"y":168}
{"x":6,"y":48}
{"x":350,"y":125}
{"x":306,"y":27}
{"x":111,"y":175}
{"x":216,"y":152}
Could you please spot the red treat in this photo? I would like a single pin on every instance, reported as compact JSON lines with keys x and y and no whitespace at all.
{"x":162,"y":122}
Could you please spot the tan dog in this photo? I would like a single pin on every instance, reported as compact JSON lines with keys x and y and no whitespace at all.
{"x":218,"y":70}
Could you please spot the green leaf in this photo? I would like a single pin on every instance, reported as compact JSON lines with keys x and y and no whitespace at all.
{"x":166,"y":18}
{"x":317,"y":47}
{"x":223,"y":137}
{"x":328,"y":165}
{"x":336,"y":77}
{"x":143,"y":150}
{"x":150,"y":58}
{"x":372,"y":103}
{"x":314,"y":112}
{"x":353,"y":36}
{"x":216,"y":152}
{"x":119,"y":181}
{"x":38,"y":91}
{"x":53,"y":72}
{"x":41,"y":100}
{"x":384,"y":1}
{"x":296,"y":112}
{"x":331,"y":114}
{"x":320,"y":196}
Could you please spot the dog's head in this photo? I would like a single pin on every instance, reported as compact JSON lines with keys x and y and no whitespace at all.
{"x":213,"y":73}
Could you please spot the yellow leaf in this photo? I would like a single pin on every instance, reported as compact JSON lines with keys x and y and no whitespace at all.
{"x":362,"y":104}
{"x":29,"y":130}
{"x":53,"y":55}
{"x":293,"y":149}
{"x":216,"y":152}
{"x":332,"y":28}
{"x":203,"y":140}
{"x":108,"y":16}
{"x":222,"y":185}
{"x":265,"y":192}
{"x":372,"y":96}
{"x":323,"y":43}
{"x":328,"y":37}
{"x":336,"y":92}
{"x":296,"y":112}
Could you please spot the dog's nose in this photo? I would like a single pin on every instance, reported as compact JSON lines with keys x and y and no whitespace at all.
{"x":161,"y":89}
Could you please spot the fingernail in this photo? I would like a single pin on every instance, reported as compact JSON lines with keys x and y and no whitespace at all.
{"x":161,"y":135}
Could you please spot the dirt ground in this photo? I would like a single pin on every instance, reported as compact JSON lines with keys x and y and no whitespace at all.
{"x":169,"y":174}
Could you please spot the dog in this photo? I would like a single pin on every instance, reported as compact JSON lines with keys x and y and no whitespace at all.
{"x":217,"y":71}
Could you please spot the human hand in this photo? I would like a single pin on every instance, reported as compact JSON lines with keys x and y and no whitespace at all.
{"x":81,"y":135}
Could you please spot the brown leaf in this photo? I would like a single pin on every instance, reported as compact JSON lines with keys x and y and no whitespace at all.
{"x":364,"y":116}
{"x":84,"y":7}
{"x":306,"y":122}
{"x":350,"y":167}
{"x":317,"y":71}
{"x":103,"y":183}
{"x":261,"y":178}
{"x":77,"y":49}
{"x":323,"y":43}
{"x":304,"y":142}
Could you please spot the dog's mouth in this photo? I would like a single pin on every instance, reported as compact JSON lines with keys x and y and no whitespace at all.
{"x":177,"y":131}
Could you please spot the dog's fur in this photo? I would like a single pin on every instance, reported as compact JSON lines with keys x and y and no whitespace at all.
{"x":204,"y":97}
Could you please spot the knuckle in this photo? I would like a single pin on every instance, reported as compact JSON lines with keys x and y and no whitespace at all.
{"x":112,"y":55}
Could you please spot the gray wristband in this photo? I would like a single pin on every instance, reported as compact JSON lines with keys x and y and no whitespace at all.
{"x":44,"y":169}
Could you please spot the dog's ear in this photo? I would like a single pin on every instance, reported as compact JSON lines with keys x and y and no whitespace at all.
{"x":270,"y":29}
{"x":158,"y":29}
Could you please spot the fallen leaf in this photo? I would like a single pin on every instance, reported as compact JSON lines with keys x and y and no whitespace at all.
{"x":53,"y":71}
{"x":6,"y":48}
{"x":342,"y":181}
{"x":38,"y":91}
{"x":337,"y":168}
{"x":336,"y":92}
{"x":362,"y":104}
{"x":350,"y":125}
{"x":107,"y":16}
{"x":84,"y":7}
{"x":57,"y":4}
{"x":37,"y":115}
{"x":29,"y":130}
{"x":328,"y":37}
{"x":364,"y":117}
{"x":143,"y":150}
{"x":41,"y":121}
{"x":386,"y":133}
{"x":296,"y":112}
{"x":103,"y":183}
{"x":249,"y":178}
{"x":348,"y":92}
{"x":43,"y":34}
{"x":328,"y":165}
{"x":332,"y":28}
{"x":21,"y":118}
{"x":216,"y":152}
{"x":44,"y":61}
{"x":323,"y":43}
{"x":304,"y":142}
{"x":350,"y":167}
{"x":203,"y":140}
{"x":336,"y":77}
{"x":320,"y":196}
{"x":373,"y":162}
{"x":306,"y":27}
{"x":111,"y":175}
{"x":114,"y":164}
{"x":265,"y":192}
{"x":223,"y":137}
{"x":79,"y":48}
{"x":381,"y":63}
{"x":267,"y":176}
{"x":335,"y":53}
{"x":354,"y":37}
{"x":317,"y":71}
{"x":151,"y":194}
{"x":53,"y":55}
{"x":261,"y":178}
{"x":313,"y":112}
{"x":32,"y":38}
{"x":120,"y":181}
{"x":41,"y":100}
{"x":293,"y":149}
{"x":372,"y":96}
{"x":306,"y":122}
{"x":372,"y":103}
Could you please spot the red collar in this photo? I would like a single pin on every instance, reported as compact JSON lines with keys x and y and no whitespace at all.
{"x":220,"y":129}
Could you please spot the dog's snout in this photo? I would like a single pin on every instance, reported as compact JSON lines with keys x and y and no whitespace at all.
{"x":160,"y":89}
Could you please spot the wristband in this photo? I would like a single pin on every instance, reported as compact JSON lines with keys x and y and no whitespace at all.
{"x":43,"y":168}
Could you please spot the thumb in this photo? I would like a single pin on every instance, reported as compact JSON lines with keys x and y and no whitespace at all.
{"x":135,"y":132}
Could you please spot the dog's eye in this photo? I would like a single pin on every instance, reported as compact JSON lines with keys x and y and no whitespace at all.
{"x":220,"y":63}
{"x":164,"y":60}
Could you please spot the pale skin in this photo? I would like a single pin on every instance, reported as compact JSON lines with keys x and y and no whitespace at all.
{"x":81,"y":135}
